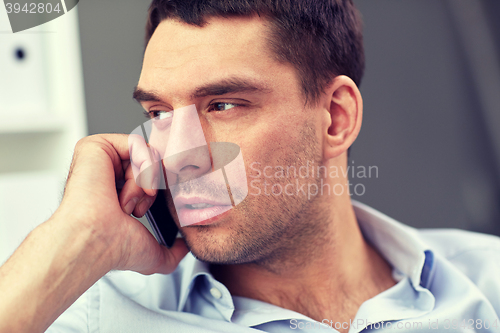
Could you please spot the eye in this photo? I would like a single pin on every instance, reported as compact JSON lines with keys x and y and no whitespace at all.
{"x":221,"y":106}
{"x":158,"y":114}
{"x":163,"y":114}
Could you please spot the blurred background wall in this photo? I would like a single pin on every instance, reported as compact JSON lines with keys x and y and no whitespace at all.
{"x":431,"y":122}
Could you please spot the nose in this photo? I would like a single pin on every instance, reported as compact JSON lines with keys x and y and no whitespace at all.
{"x":186,"y":155}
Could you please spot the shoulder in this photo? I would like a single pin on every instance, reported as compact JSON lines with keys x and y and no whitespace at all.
{"x":153,"y":291}
{"x":123,"y":291}
{"x":475,"y":255}
{"x":454,"y":244}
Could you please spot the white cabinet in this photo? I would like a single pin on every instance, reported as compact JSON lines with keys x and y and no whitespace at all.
{"x":42,"y":116}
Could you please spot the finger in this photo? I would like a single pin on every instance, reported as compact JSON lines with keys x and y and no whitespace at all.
{"x":89,"y":154}
{"x":173,"y":256}
{"x":135,"y":199}
{"x":148,"y":178}
{"x":143,"y":205}
{"x":144,"y":164}
{"x":130,"y":196}
{"x":98,"y":160}
{"x":116,"y":146}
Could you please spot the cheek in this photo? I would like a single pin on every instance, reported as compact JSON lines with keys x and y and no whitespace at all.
{"x":236,"y":176}
{"x":276,"y":145}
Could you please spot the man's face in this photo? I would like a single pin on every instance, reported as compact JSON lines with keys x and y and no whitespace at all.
{"x":244,"y":96}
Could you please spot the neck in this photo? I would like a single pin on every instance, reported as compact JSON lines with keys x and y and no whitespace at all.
{"x":329,"y":277}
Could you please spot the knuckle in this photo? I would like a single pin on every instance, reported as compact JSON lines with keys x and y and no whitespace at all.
{"x":86,"y":141}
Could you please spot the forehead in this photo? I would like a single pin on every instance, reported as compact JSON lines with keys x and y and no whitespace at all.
{"x":182,"y":53}
{"x":174,"y":35}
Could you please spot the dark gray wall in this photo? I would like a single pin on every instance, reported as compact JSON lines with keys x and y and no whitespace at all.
{"x":112,"y":37}
{"x":423,"y":127}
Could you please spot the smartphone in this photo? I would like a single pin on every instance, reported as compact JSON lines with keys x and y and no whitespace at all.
{"x":161,"y":221}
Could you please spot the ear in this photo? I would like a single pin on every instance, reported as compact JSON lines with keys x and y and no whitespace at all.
{"x":344,"y":107}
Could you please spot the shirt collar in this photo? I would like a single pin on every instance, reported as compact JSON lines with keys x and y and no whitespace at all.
{"x":399,"y":244}
{"x":190,"y":269}
{"x":413,"y":266}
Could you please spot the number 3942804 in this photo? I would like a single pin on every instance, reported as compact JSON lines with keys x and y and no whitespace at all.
{"x":32,"y":8}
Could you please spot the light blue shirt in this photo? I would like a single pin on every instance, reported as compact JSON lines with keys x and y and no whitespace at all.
{"x":447,"y":281}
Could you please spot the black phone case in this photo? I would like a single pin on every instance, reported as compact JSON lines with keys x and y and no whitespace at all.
{"x":161,"y":221}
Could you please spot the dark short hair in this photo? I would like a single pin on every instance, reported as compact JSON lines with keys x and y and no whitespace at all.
{"x":320,"y":38}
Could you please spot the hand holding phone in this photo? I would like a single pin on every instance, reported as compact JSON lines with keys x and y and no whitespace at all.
{"x":149,"y":173}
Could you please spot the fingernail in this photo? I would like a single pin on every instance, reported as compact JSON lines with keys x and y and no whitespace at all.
{"x":149,"y":202}
{"x":144,"y":205}
{"x":129,"y":207}
{"x":155,"y":184}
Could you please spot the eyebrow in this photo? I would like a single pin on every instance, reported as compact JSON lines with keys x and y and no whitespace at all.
{"x":222,"y":87}
{"x":145,"y":96}
{"x":229,"y":86}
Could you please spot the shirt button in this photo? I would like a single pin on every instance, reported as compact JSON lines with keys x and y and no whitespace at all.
{"x":215,"y":293}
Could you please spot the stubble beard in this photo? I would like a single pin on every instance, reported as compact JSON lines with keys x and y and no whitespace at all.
{"x":273,"y":231}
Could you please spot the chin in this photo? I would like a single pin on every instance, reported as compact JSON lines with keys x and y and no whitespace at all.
{"x":217,"y":248}
{"x":212,"y":249}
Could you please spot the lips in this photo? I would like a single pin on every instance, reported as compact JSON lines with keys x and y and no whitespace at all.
{"x":198,"y":210}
